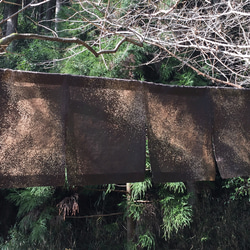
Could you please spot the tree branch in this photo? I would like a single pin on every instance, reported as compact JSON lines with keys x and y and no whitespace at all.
{"x":93,"y":216}
{"x":5,"y":41}
{"x":211,"y":39}
{"x":198,"y":71}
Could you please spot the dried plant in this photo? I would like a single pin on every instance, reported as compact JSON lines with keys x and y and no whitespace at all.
{"x":68,"y":206}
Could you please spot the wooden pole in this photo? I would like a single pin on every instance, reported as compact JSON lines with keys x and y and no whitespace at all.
{"x":130,"y":221}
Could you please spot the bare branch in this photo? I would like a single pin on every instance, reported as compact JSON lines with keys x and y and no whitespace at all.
{"x":39,"y":3}
{"x":199,"y":72}
{"x":43,"y":26}
{"x":213,"y":39}
{"x":5,"y":41}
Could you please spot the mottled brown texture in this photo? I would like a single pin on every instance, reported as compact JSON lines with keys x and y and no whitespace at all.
{"x":106,"y":131}
{"x":231,"y":129}
{"x":179,"y":133}
{"x":96,"y":129}
{"x":31,"y":130}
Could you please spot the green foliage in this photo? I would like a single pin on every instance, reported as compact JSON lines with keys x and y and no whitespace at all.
{"x":139,"y":189}
{"x":134,"y":210}
{"x":123,"y":64}
{"x":129,"y":63}
{"x":24,"y":25}
{"x":84,"y":63}
{"x":76,"y":26}
{"x":175,"y":187}
{"x":39,"y":229}
{"x":131,"y":208}
{"x":240,"y":188}
{"x":34,"y":216}
{"x":17,"y":240}
{"x":147,"y":241}
{"x":37,"y":56}
{"x":110,"y":188}
{"x":167,"y":70}
{"x":9,"y":60}
{"x":177,"y":213}
{"x":1,"y":13}
{"x":130,"y":245}
{"x":185,"y":79}
{"x":220,"y":222}
{"x":30,"y":198}
{"x":171,"y":72}
{"x":148,"y":164}
{"x":128,"y":5}
{"x":70,"y":29}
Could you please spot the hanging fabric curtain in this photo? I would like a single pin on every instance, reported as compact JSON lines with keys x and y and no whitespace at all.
{"x":179,"y":133}
{"x":95,"y":129}
{"x":31,"y":130}
{"x":92,"y":128}
{"x":231,"y":131}
{"x":105,"y":134}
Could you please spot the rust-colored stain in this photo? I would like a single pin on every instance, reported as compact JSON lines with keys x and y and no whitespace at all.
{"x":95,"y":128}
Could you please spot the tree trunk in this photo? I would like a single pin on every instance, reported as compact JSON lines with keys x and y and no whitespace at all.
{"x":58,"y":8}
{"x":50,"y":12}
{"x":11,"y":26}
{"x":191,"y":188}
{"x":130,"y":221}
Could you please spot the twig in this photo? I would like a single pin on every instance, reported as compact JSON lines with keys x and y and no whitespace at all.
{"x":93,"y":216}
{"x":198,"y":71}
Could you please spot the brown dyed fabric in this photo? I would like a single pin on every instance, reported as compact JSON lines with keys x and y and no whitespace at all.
{"x":231,"y":130}
{"x":106,"y":131}
{"x":179,"y":134}
{"x":93,"y":127}
{"x":31,"y":130}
